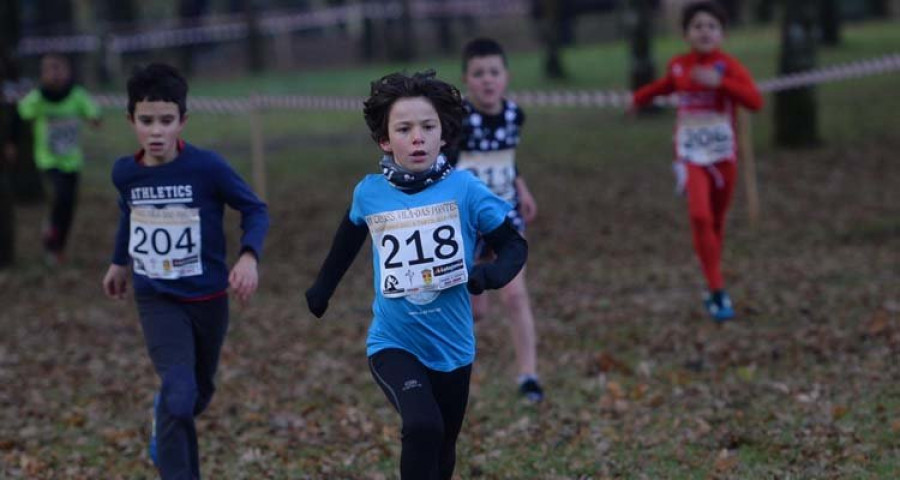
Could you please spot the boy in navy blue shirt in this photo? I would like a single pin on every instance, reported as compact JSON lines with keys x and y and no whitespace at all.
{"x":423,"y":217}
{"x":172,"y":197}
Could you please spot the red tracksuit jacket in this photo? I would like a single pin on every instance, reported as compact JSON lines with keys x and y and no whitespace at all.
{"x":705,"y":130}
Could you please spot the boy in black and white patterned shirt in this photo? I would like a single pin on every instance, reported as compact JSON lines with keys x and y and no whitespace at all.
{"x":487,"y":148}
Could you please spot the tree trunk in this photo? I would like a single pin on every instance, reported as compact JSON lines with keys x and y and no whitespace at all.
{"x":550,"y":28}
{"x":189,"y":14}
{"x":255,"y":60}
{"x":879,"y":8}
{"x":54,"y":17}
{"x":87,"y":64}
{"x":27,"y":184}
{"x":830,"y":19}
{"x":24,"y":179}
{"x":9,"y":38}
{"x":402,"y":34}
{"x":796,"y":112}
{"x":7,"y":210}
{"x":7,"y":217}
{"x":443,"y":25}
{"x":642,"y":68}
{"x":764,"y":11}
{"x":121,"y":11}
{"x":367,"y":34}
{"x":733,"y":10}
{"x":367,"y":40}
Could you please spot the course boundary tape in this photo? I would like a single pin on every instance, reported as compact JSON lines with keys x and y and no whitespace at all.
{"x":271,"y":24}
{"x":562,"y":98}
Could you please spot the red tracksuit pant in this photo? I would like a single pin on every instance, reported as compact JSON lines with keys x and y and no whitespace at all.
{"x":709,"y":192}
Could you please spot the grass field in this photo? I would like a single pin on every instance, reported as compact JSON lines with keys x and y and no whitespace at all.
{"x":640,"y":383}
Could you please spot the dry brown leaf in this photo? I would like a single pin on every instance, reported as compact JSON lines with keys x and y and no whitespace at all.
{"x":895,"y":426}
{"x":839,"y":411}
{"x":703,"y":427}
{"x":639,"y":391}
{"x":879,"y":323}
{"x":725,"y":461}
{"x":615,"y":390}
{"x":31,"y":466}
{"x":74,"y":420}
{"x":605,"y":362}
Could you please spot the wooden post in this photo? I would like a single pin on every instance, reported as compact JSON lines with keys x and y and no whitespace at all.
{"x":112,"y":59}
{"x":284,"y":50}
{"x":258,"y":150}
{"x":748,"y":159}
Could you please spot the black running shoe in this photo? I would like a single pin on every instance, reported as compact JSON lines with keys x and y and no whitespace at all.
{"x":531,"y":390}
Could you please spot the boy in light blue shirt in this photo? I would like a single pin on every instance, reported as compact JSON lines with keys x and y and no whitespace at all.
{"x":423,"y":217}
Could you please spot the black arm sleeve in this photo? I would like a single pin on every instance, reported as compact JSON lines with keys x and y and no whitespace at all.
{"x":344,"y":248}
{"x":17,"y":126}
{"x":512,"y":252}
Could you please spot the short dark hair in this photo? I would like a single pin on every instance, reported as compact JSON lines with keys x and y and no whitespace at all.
{"x":709,"y":6}
{"x":481,"y":47}
{"x":59,"y":57}
{"x":445,"y":98}
{"x":157,"y":82}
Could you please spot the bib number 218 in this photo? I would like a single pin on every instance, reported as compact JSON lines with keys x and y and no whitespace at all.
{"x":445,"y":247}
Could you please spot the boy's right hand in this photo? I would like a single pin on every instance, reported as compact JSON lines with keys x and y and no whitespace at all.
{"x":10,"y":152}
{"x":317,"y":301}
{"x":115,"y":282}
{"x":680,"y":170}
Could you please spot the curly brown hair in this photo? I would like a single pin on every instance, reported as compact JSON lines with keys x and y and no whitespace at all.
{"x":445,"y":98}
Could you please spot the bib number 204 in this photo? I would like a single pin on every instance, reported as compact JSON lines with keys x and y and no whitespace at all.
{"x":160,"y":240}
{"x":445,"y":247}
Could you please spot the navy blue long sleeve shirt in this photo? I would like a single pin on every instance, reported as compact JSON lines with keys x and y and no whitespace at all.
{"x":165,"y":208}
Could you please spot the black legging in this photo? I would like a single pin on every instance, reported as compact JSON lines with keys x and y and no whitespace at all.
{"x":431,"y":404}
{"x":65,"y":190}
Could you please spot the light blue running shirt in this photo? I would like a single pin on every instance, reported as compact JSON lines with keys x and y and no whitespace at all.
{"x":422,"y":249}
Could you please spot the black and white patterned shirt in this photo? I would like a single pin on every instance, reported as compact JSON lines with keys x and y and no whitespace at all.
{"x":484,"y":133}
{"x":487,"y":148}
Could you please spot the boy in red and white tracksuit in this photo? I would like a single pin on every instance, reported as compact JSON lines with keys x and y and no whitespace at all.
{"x":711,"y":85}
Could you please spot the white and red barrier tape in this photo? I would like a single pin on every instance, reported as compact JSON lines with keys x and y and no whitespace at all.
{"x":589,"y":99}
{"x":271,"y":24}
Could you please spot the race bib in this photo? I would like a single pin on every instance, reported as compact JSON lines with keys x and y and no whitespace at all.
{"x":497,"y":169}
{"x":420,"y":249}
{"x":165,"y":242}
{"x":62,"y":135}
{"x":704,"y":139}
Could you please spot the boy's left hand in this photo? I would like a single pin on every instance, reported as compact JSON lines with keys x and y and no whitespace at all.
{"x":244,"y":277}
{"x":707,"y":76}
{"x":477,"y":280}
{"x":527,"y":204}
